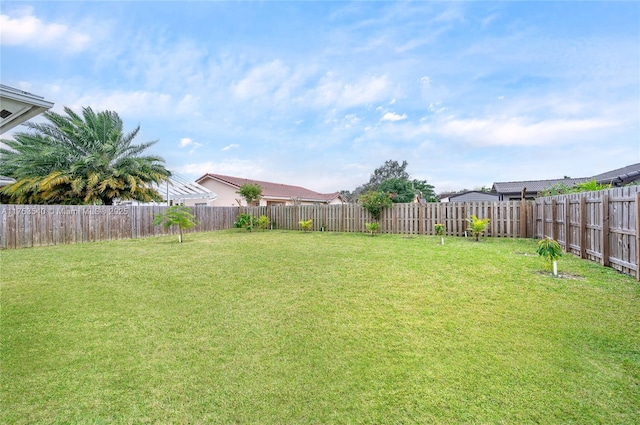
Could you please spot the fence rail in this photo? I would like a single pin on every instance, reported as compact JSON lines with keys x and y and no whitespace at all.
{"x":599,"y":226}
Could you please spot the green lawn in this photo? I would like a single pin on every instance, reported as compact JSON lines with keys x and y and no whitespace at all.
{"x":291,"y":327}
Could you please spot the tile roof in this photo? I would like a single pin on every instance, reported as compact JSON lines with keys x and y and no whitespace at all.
{"x":274,"y":190}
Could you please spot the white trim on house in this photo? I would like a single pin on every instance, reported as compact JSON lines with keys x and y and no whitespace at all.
{"x":17,"y":106}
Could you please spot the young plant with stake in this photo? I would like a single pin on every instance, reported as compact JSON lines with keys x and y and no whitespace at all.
{"x":439,"y":228}
{"x":477,"y":226}
{"x":177,"y":215}
{"x":372,"y":228}
{"x":551,"y":251}
{"x":306,"y":224}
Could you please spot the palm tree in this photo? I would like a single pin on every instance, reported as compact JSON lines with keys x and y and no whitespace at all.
{"x":79,"y":159}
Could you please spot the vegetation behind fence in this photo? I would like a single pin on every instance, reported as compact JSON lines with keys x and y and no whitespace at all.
{"x":599,"y":226}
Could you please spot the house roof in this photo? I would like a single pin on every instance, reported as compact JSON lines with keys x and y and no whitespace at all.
{"x":17,"y":106}
{"x":617,"y":177}
{"x":620,"y":176}
{"x":473,"y":193}
{"x":273,"y":190}
{"x":532,"y":186}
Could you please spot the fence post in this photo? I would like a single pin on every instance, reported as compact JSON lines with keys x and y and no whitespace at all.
{"x":567,"y":224}
{"x":605,"y":230}
{"x":583,"y":227}
{"x":554,"y":219}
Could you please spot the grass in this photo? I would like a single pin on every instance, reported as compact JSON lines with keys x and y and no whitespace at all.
{"x":295,"y":328}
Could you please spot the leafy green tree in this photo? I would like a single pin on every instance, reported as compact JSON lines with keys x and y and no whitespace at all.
{"x":400,"y":190}
{"x":251,"y":192}
{"x":393,"y":177}
{"x":375,"y":202}
{"x":390,"y":170}
{"x":177,"y":215}
{"x":79,"y":159}
{"x":425,"y":189}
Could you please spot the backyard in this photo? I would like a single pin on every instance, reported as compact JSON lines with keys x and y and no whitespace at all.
{"x":294,"y":328}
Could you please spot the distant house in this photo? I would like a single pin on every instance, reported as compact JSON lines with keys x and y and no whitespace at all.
{"x":529,"y":189}
{"x":17,"y":106}
{"x":226,"y":187}
{"x":469,"y":196}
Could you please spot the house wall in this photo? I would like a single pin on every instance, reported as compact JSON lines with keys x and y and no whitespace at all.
{"x":227,"y":196}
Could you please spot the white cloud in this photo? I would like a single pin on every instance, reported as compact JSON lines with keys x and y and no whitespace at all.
{"x":136,"y":103}
{"x":520,"y":131}
{"x":341,"y":94}
{"x":184,"y":142}
{"x":392,"y":116}
{"x":231,"y":146}
{"x":261,"y":80}
{"x":28,"y":30}
{"x":236,"y":168}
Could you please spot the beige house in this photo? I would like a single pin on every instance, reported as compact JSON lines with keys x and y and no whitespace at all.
{"x":226,"y":187}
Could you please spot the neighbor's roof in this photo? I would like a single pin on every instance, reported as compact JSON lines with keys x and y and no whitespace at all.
{"x":622,"y":175}
{"x":273,"y":190}
{"x":619,"y":176}
{"x":17,"y":106}
{"x":532,"y":186}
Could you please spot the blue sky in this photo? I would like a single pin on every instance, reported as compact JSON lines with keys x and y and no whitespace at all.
{"x":320,"y":94}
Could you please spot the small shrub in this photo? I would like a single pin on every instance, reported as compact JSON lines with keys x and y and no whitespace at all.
{"x":263,"y":222}
{"x":372,"y":227}
{"x":477,"y":226}
{"x":246,"y":221}
{"x":306,"y":224}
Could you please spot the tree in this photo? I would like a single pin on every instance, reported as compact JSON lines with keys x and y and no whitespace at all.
{"x":375,"y":202}
{"x":390,"y":170}
{"x":250,"y":192}
{"x":392,"y":177}
{"x":79,"y":159}
{"x":177,"y":215}
{"x":401,"y":190}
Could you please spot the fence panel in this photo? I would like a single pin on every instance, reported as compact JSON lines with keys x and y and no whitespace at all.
{"x":600,"y":226}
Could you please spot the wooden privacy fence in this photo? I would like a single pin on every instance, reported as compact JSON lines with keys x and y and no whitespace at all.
{"x":508,"y":218}
{"x":24,"y":226}
{"x":37,"y":225}
{"x":600,"y":226}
